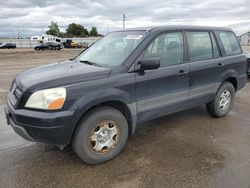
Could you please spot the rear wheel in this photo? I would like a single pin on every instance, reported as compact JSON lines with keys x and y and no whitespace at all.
{"x":223,"y":101}
{"x":101,"y":135}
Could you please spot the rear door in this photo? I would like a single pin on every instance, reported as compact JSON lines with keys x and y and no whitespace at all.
{"x":206,"y":66}
{"x":168,"y":86}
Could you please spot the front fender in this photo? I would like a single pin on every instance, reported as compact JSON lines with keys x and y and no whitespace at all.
{"x":83,"y":104}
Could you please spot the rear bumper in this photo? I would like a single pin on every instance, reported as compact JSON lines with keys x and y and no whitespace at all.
{"x":248,"y":66}
{"x":242,"y":80}
{"x":46,"y":127}
{"x":248,"y":69}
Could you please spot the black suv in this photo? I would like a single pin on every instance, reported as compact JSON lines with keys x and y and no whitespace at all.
{"x":7,"y":45}
{"x":95,"y":100}
{"x":49,"y":46}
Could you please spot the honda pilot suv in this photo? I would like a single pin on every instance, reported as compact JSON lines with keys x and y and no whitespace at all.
{"x":95,"y":100}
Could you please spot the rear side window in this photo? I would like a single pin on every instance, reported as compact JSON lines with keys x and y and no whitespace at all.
{"x":230,"y":43}
{"x":200,"y":46}
{"x":168,"y":48}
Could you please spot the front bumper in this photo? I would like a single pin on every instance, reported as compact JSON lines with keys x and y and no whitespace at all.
{"x":46,"y":127}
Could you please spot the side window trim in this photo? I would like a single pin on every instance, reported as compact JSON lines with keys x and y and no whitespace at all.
{"x":186,"y":48}
{"x":212,"y":44}
{"x":212,"y":35}
{"x":164,"y":33}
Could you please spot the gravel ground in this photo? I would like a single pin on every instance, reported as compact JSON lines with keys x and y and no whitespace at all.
{"x":185,"y":149}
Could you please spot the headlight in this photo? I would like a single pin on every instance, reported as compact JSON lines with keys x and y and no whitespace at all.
{"x":48,"y":99}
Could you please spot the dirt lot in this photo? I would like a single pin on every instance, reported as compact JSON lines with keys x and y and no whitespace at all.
{"x":185,"y":149}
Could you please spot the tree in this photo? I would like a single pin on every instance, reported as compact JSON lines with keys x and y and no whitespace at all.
{"x":76,"y":30}
{"x":62,"y":35}
{"x":93,"y":31}
{"x":53,"y":29}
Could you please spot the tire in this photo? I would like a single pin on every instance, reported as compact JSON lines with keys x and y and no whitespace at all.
{"x":223,"y":101}
{"x":85,"y":141}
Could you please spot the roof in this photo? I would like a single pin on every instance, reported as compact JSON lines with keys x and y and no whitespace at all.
{"x":177,"y":27}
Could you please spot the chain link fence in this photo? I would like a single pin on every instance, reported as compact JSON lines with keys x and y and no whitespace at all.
{"x":27,"y":43}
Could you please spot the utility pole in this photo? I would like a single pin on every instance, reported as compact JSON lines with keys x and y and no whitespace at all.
{"x":123,"y":20}
{"x":107,"y":28}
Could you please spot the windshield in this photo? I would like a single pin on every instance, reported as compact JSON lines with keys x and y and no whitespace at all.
{"x":112,"y":49}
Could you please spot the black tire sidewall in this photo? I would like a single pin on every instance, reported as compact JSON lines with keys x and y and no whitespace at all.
{"x":225,"y":86}
{"x":81,"y":143}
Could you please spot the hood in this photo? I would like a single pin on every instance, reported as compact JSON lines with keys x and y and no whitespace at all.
{"x":59,"y":74}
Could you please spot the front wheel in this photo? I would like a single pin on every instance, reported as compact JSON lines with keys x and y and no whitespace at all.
{"x":223,"y":101}
{"x":100,"y":135}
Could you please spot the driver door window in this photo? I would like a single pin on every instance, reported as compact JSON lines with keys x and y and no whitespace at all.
{"x":168,"y":48}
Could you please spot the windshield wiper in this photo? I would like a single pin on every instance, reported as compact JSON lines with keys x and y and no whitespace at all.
{"x":72,"y":59}
{"x":90,"y":63}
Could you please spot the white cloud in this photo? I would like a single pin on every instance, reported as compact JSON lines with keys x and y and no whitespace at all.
{"x":32,"y":17}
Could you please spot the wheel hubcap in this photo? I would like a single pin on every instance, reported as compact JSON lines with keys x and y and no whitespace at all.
{"x":104,"y":137}
{"x":225,"y":100}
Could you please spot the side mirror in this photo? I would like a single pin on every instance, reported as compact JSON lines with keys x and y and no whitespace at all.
{"x":149,"y":64}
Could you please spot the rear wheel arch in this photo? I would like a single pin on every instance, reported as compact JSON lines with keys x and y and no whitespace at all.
{"x":233,"y":81}
{"x":215,"y":107}
{"x":230,"y":76}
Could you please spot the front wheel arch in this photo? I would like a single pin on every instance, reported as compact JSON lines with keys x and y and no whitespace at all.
{"x":117,"y":104}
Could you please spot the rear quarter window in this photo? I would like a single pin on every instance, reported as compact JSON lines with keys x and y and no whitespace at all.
{"x":230,"y":43}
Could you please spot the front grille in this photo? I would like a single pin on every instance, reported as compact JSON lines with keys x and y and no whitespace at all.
{"x":15,"y":94}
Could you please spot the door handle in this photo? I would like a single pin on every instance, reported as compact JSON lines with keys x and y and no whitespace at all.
{"x":181,"y":72}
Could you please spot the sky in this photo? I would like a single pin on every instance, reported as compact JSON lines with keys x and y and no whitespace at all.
{"x":32,"y":17}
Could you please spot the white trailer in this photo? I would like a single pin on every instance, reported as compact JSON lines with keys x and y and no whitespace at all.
{"x":46,"y":38}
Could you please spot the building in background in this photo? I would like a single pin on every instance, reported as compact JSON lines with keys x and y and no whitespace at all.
{"x":244,"y":39}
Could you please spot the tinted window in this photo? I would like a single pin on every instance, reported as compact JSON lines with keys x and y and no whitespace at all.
{"x":168,"y":48}
{"x":200,"y":46}
{"x":216,"y":52}
{"x":230,"y":43}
